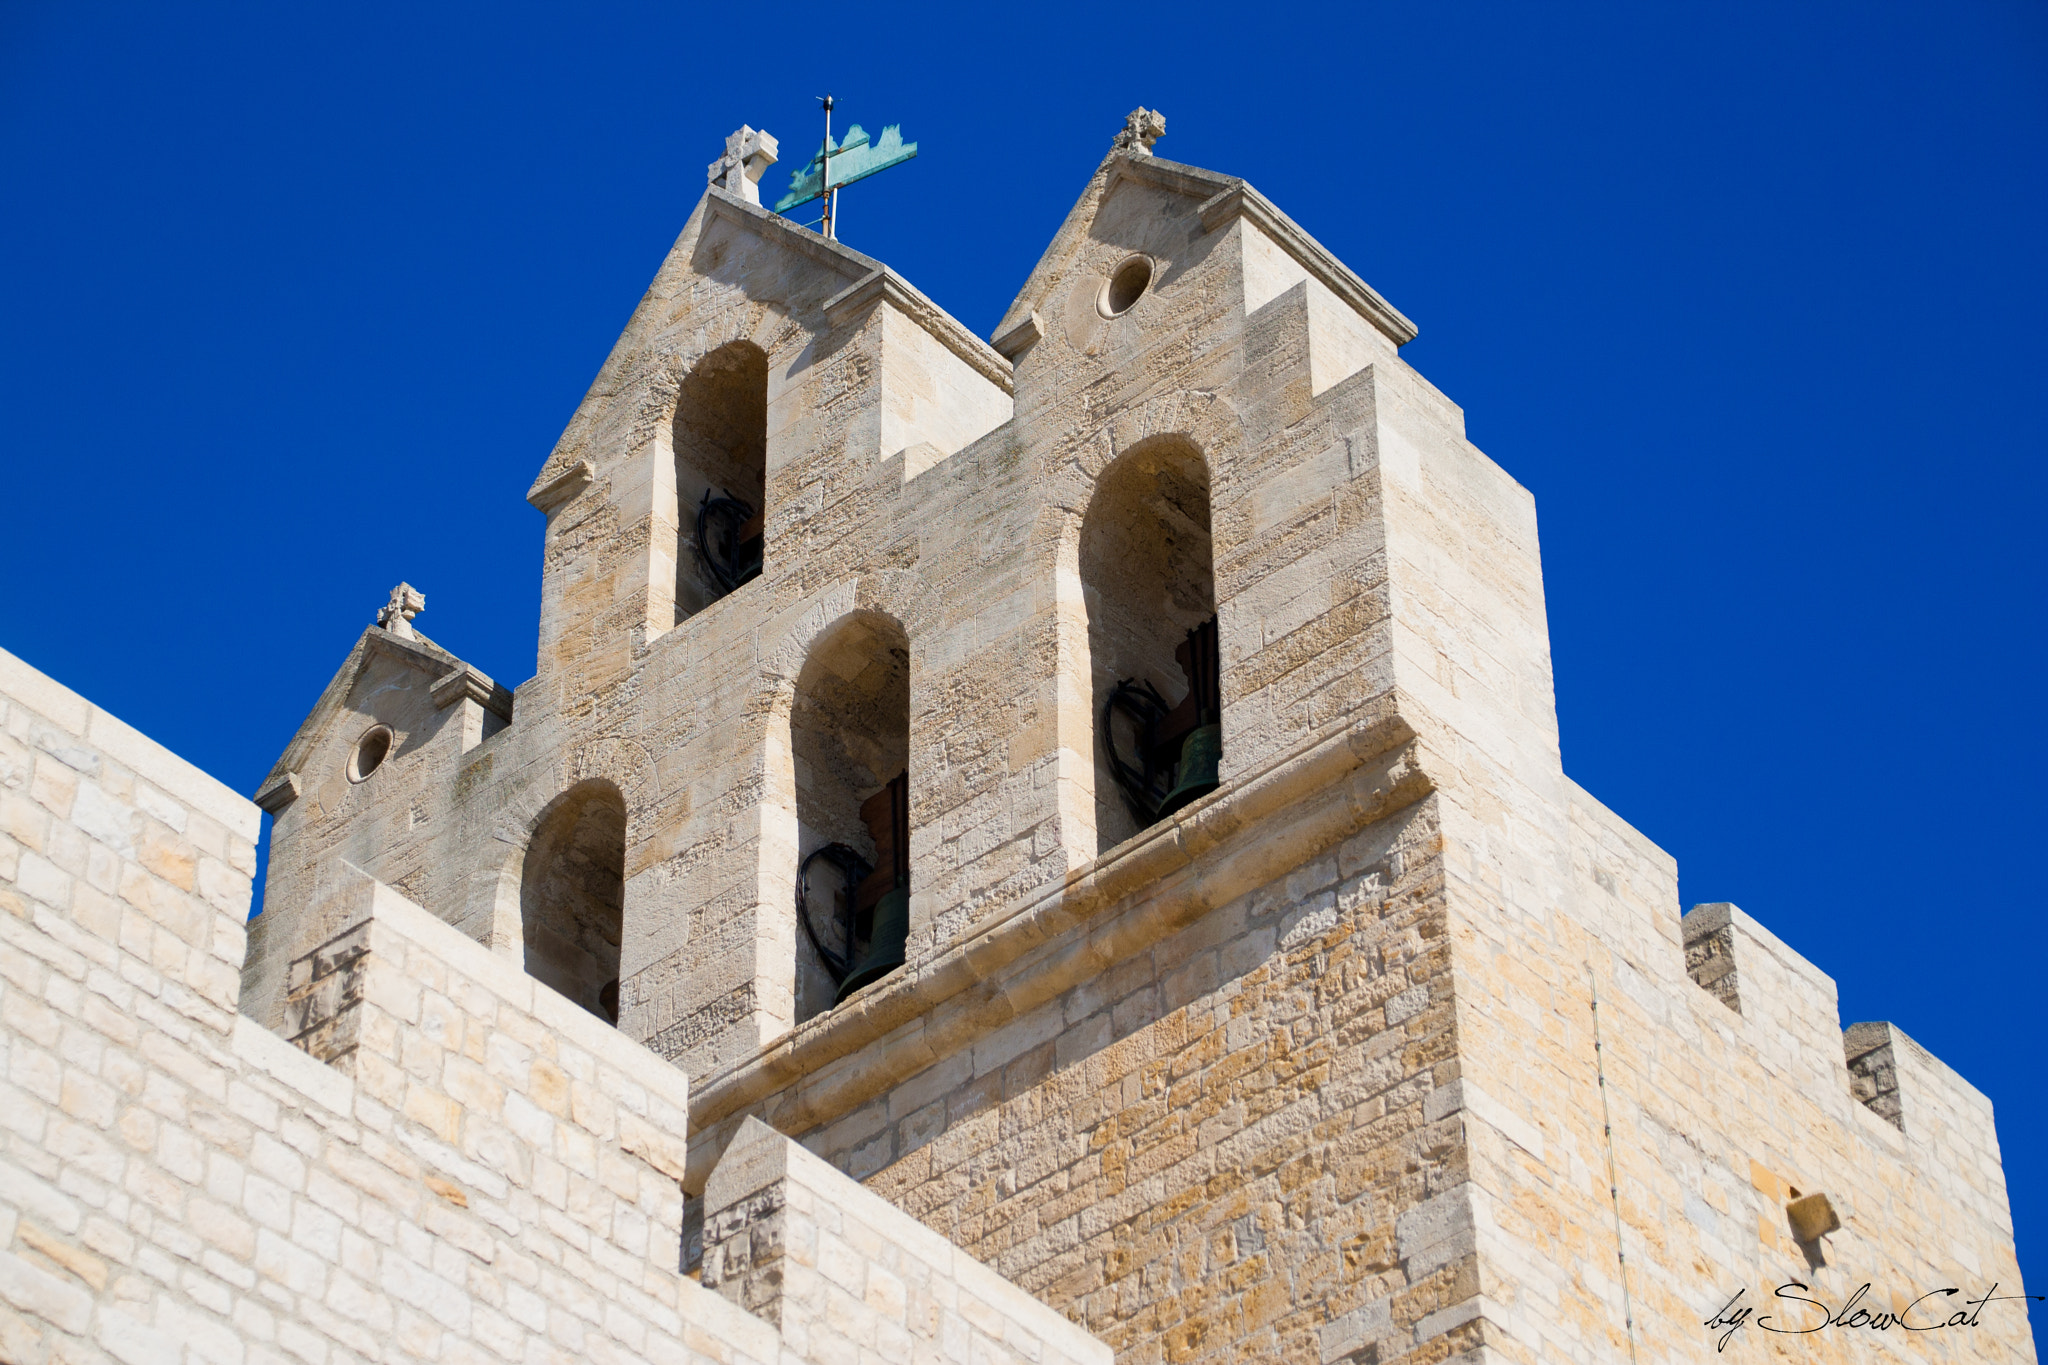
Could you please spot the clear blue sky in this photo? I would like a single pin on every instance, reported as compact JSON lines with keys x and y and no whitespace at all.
{"x":1752,"y":297}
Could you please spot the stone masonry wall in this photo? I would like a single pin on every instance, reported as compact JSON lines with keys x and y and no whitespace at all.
{"x":1227,"y":1147}
{"x":1588,"y":1038}
{"x":967,"y":539}
{"x":487,"y":1174}
{"x":1313,"y":1068}
{"x":822,"y":1259}
{"x":1227,"y":1136}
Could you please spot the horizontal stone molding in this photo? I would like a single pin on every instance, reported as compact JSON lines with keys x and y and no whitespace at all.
{"x":1336,"y":783}
{"x":1021,"y":337}
{"x":469,"y":683}
{"x":279,"y":792}
{"x":551,"y":491}
{"x":876,"y":282}
{"x":1228,"y":198}
{"x":883,"y":285}
{"x":785,"y":1235}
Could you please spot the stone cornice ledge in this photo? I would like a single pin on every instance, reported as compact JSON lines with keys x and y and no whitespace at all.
{"x":1313,"y":256}
{"x":887,"y":286}
{"x":552,"y":490}
{"x":1226,"y":198}
{"x":875,"y":281}
{"x":1242,"y":201}
{"x":725,"y":204}
{"x":1332,"y":785}
{"x":468,"y":683}
{"x":278,"y":792}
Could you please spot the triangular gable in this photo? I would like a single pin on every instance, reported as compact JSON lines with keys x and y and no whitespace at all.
{"x":1223,"y":199}
{"x":875,"y":280}
{"x":280,"y":786}
{"x":868,"y":280}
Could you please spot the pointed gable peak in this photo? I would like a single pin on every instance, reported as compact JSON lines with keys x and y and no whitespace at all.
{"x":393,"y":637}
{"x":1222,"y":200}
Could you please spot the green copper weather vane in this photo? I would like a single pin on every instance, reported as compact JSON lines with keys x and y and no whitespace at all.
{"x":841,"y":164}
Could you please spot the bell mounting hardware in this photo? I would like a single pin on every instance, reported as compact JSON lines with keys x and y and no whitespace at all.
{"x":729,"y":540}
{"x":1178,"y":748}
{"x":872,"y":906}
{"x":840,"y":164}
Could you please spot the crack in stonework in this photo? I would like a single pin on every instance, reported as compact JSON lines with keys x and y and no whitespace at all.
{"x":1628,"y":1312}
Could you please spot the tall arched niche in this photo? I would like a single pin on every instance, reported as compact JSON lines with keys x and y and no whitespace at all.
{"x":572,"y":895}
{"x":720,"y":440}
{"x":850,"y":744}
{"x":1148,"y":582}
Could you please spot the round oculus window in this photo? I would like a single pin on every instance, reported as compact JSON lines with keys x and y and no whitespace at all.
{"x":370,"y":752}
{"x":1125,"y":286}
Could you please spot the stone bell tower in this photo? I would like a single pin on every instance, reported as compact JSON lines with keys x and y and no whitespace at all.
{"x":1100,"y":787}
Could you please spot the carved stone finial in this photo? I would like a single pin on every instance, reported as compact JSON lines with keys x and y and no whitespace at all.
{"x":406,"y":602}
{"x":1141,"y":129}
{"x":748,"y":155}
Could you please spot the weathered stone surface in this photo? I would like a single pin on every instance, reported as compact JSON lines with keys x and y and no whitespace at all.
{"x":482,"y":1171}
{"x":1395,"y":1047}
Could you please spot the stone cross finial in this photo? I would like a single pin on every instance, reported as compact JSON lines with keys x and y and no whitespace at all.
{"x":748,"y":155}
{"x":406,"y":602}
{"x":1142,"y":128}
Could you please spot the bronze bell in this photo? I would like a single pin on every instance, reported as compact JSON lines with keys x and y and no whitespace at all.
{"x":729,"y":532}
{"x":886,"y":942}
{"x":1195,"y":776}
{"x":1180,"y":748}
{"x":881,"y":914}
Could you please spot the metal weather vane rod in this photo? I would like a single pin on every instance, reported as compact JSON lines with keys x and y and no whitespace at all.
{"x":836,"y":166}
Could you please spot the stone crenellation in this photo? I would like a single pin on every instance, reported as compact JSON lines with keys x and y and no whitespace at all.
{"x":1710,"y":953}
{"x":1873,"y":1069}
{"x":1157,"y":704}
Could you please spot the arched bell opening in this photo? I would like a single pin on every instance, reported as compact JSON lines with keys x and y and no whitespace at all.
{"x":720,"y":439}
{"x":1148,"y":582}
{"x":850,"y":742}
{"x":572,"y":894}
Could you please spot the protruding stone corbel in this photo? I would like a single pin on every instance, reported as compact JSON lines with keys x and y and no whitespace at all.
{"x":748,"y":155}
{"x":275,"y":796}
{"x":563,"y":486}
{"x":471,"y":684}
{"x":1021,"y":337}
{"x":1812,"y":1217}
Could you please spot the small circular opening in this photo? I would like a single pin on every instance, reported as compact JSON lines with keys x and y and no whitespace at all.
{"x":370,"y":752}
{"x":1126,"y":286}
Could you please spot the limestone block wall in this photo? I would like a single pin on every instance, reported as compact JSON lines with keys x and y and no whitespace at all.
{"x":966,"y":537}
{"x":1728,"y":1096}
{"x":1310,"y":1068}
{"x":484,"y":1172}
{"x":825,"y":1261}
{"x":182,"y":1185}
{"x":1199,"y":1102}
{"x":403,"y":819}
{"x":1230,"y":1145}
{"x":931,"y":399}
{"x":688,"y":720}
{"x":1354,"y":1113}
